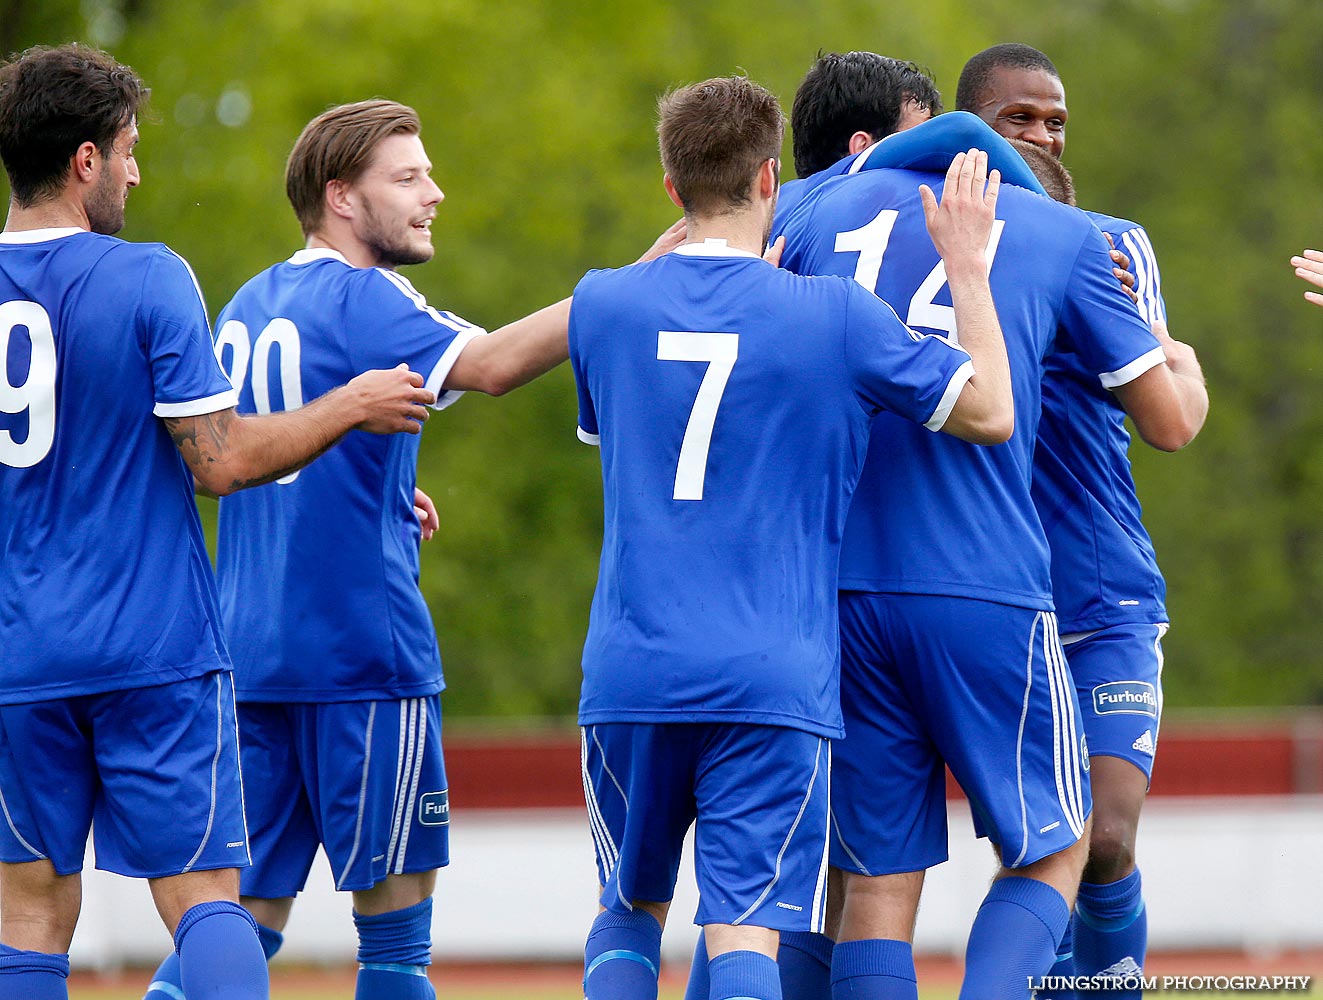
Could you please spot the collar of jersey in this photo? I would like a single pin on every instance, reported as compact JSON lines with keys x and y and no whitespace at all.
{"x":39,"y":235}
{"x":308,"y":255}
{"x":713,"y":248}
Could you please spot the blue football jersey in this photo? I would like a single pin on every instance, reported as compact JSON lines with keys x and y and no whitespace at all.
{"x":1104,"y":571}
{"x":731,"y":401}
{"x":105,"y":582}
{"x":933,"y":514}
{"x":319,"y":571}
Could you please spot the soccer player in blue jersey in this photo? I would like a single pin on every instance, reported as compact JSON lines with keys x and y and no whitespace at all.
{"x":949,"y":645}
{"x":1108,"y":590}
{"x":337,"y":670}
{"x":731,"y":401}
{"x":116,"y":704}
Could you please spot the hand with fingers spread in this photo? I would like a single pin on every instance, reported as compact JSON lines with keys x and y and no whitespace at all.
{"x":391,"y":400}
{"x":962,"y":222}
{"x":1310,"y":267}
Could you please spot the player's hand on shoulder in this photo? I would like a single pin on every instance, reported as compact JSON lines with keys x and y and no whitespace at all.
{"x":1309,"y":265}
{"x":391,"y":400}
{"x":773,"y":253}
{"x":673,"y":236}
{"x":961,"y":222}
{"x":1122,"y":270}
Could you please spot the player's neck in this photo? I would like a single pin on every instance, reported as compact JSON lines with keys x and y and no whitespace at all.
{"x":60,"y":212}
{"x":744,"y":230}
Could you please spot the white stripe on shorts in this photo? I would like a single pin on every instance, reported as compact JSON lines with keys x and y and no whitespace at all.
{"x":1065,"y":732}
{"x":215,"y":766}
{"x":607,"y":852}
{"x":402,"y":771}
{"x":820,"y":893}
{"x":362,"y":797}
{"x":776,"y":874}
{"x":419,"y":754}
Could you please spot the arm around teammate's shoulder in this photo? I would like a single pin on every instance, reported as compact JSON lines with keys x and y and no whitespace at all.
{"x":960,"y":225}
{"x":227,"y":451}
{"x":515,"y":354}
{"x":1169,"y":402}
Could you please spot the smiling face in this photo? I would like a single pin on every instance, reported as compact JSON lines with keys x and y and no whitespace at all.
{"x":395,"y":202}
{"x":119,"y":172}
{"x":1028,"y":104}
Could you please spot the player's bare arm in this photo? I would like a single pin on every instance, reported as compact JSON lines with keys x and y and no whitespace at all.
{"x":520,"y":351}
{"x":1169,"y":402}
{"x":227,"y":452}
{"x":1309,"y":265}
{"x":960,"y":226}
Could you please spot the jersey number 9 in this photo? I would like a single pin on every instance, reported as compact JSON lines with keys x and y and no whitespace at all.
{"x":36,"y":393}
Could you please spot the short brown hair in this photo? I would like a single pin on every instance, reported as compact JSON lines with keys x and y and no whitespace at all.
{"x":714,"y":136}
{"x":52,"y":100}
{"x":337,"y":145}
{"x":1054,"y":177}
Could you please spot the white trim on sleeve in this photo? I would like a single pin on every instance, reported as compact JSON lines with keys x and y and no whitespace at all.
{"x":593,"y":439}
{"x":226,"y":400}
{"x":953,"y":389}
{"x":441,"y":371}
{"x":1132,"y":371}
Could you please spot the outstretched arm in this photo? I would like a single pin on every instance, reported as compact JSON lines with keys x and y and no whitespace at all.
{"x":960,"y":226}
{"x":227,"y":451}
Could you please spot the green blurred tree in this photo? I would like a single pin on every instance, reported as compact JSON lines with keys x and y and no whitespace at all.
{"x":1195,"y":117}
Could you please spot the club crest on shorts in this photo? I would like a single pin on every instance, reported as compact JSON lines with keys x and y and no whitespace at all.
{"x":434,"y":808}
{"x":1126,"y":698}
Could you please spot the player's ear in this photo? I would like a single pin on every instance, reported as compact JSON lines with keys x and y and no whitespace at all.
{"x":671,"y":193}
{"x":860,"y":141}
{"x":338,"y":199}
{"x":83,"y":162}
{"x":769,"y":177}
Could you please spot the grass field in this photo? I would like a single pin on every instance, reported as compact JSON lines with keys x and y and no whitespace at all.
{"x":939,"y":978}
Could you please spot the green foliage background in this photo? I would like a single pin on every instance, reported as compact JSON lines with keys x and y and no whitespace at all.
{"x":1199,"y":118}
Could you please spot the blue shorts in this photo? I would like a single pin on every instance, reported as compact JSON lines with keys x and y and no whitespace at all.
{"x":1118,"y":676}
{"x":364,"y":779}
{"x":154,"y":772}
{"x":759,"y":795}
{"x":980,"y":687}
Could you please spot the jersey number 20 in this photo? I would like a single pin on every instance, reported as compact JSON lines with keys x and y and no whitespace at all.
{"x":279,"y":331}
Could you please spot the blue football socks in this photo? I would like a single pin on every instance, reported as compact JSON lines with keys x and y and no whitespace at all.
{"x":33,"y":975}
{"x":805,"y":963}
{"x":743,"y":975}
{"x":1110,"y":931}
{"x":394,"y":951}
{"x":1064,"y":969}
{"x":875,"y":969}
{"x":219,"y":954}
{"x":622,"y":956}
{"x":166,"y":984}
{"x":1014,"y":939}
{"x":699,"y":984}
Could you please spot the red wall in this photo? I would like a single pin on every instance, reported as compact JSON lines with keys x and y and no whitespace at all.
{"x":541,"y":770}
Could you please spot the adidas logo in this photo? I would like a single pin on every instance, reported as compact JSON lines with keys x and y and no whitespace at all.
{"x":1127,"y":967}
{"x":1144,"y":745}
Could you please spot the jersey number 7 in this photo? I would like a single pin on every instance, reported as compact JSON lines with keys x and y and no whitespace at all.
{"x":719,"y":350}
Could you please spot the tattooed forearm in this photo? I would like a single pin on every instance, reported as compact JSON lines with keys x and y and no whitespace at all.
{"x":201,"y":439}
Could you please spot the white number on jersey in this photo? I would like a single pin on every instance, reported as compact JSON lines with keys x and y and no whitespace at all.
{"x":234,"y":335}
{"x":870,"y":242}
{"x":37,"y":392}
{"x":719,"y":350}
